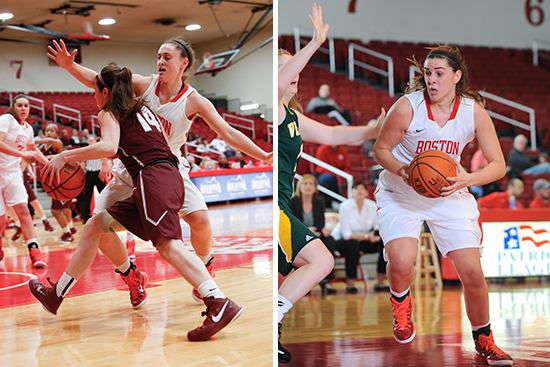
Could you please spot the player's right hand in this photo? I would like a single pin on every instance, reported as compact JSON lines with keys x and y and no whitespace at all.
{"x":404,"y":172}
{"x":319,"y":30}
{"x":60,"y":55}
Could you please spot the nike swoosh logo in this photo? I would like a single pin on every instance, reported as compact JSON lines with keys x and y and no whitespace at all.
{"x":39,"y":290}
{"x":419,"y":130}
{"x":140,"y":288}
{"x":219,"y":316}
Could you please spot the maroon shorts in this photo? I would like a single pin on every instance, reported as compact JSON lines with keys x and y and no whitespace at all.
{"x":153,"y":208}
{"x":28,"y":187}
{"x":59,"y":205}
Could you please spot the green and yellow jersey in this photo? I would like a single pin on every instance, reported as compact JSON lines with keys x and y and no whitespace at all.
{"x":290,"y":150}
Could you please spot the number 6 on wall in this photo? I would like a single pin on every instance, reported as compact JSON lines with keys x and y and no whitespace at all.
{"x":534,"y":9}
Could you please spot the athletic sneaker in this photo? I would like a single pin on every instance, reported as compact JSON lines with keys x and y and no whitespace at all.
{"x":36,"y":258}
{"x":17,"y":233}
{"x":488,"y":353}
{"x":197,"y":296}
{"x":403,"y":327}
{"x":47,"y":296}
{"x":136,"y":281}
{"x":219,"y":313}
{"x":73,"y":230}
{"x":284,"y":355}
{"x":131,"y":248}
{"x":66,"y":238}
{"x":47,"y":226}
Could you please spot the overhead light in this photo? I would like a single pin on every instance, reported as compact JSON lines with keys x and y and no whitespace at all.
{"x":193,"y":27}
{"x":5,"y":16}
{"x":250,"y":106}
{"x":262,"y":116}
{"x":107,"y":21}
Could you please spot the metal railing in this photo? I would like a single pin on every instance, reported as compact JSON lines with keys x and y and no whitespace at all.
{"x":39,"y":105}
{"x":298,"y":42}
{"x":532,"y":125}
{"x":94,"y":118}
{"x":352,"y":47}
{"x":536,"y":51}
{"x":338,"y":172}
{"x":239,"y":123}
{"x":270,"y":132}
{"x":57,"y":113}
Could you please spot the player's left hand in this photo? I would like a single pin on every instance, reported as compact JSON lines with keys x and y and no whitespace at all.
{"x":461,"y":181}
{"x":51,"y":170}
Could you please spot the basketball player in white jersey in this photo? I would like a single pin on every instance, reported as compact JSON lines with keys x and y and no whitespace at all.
{"x":176,"y":104}
{"x":439,"y":112}
{"x":16,"y":142}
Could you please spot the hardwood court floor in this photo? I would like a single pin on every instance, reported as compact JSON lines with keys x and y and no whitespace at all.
{"x":96,"y":325}
{"x":356,"y":330}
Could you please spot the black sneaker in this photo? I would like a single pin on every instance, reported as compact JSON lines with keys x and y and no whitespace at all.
{"x":284,"y":355}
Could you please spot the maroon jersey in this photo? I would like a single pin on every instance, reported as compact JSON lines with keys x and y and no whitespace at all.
{"x":47,"y":150}
{"x":143,"y":143}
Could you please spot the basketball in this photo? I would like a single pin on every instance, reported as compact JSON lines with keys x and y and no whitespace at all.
{"x":72,"y":179}
{"x":428,"y":172}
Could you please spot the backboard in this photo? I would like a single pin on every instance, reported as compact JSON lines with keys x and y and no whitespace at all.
{"x":217,"y":62}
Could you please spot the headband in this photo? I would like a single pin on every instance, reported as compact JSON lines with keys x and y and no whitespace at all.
{"x":101,"y":80}
{"x":54,"y":126}
{"x":441,"y":55}
{"x":182,"y":46}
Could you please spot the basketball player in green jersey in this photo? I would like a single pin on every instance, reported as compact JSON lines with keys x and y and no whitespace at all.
{"x":303,"y":258}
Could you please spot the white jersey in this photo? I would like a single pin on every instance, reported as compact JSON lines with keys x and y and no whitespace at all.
{"x":425,"y":134}
{"x":17,"y":137}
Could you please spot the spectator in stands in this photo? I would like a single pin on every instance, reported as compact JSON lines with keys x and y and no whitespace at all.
{"x":36,"y":127}
{"x":93,"y":168}
{"x":309,"y":208}
{"x":240,"y":160}
{"x":358,"y":231}
{"x":75,"y":138}
{"x":221,"y":146}
{"x":202,"y":144}
{"x":519,"y":162}
{"x":541,"y":187}
{"x":222,"y":162}
{"x":208,"y":164}
{"x":325,"y":105}
{"x":337,"y":156}
{"x":506,"y":199}
{"x":192,"y":163}
{"x":65,"y":138}
{"x":84,"y":137}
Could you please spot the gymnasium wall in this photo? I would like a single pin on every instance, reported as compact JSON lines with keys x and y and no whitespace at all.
{"x":498,"y":23}
{"x":249,"y":80}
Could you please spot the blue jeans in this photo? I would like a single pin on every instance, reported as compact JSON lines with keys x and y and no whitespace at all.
{"x":543,"y":167}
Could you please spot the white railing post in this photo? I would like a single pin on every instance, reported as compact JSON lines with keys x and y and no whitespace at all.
{"x":351,"y":63}
{"x":297,"y":46}
{"x":331,"y":57}
{"x":535,"y":53}
{"x":385,"y":73}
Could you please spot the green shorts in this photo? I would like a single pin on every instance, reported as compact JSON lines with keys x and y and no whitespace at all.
{"x":293,"y":237}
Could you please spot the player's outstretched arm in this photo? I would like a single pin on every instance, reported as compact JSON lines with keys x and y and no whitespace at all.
{"x":316,"y":132}
{"x":294,"y":66}
{"x":236,"y":139}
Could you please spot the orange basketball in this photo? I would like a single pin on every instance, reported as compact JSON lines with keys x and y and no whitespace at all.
{"x":71,"y":182}
{"x":428,"y":172}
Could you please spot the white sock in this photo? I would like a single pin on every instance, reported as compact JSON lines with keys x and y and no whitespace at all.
{"x":64,"y":285}
{"x":129,"y":236}
{"x":43,"y":218}
{"x":123,"y":268}
{"x":31,"y":240}
{"x":476,"y":328}
{"x":67,"y":229}
{"x":209,"y":288}
{"x":397,"y":295}
{"x":205,"y":259}
{"x":71,"y":225}
{"x":283,"y":306}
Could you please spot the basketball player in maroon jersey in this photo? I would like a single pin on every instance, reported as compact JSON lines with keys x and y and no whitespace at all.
{"x":130,"y":129}
{"x":61,"y":210}
{"x":439,"y":111}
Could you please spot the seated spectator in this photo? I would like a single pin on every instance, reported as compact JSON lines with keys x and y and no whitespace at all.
{"x":336,"y":156}
{"x":221,"y":146}
{"x":65,"y":138}
{"x":239,"y":161}
{"x":36,"y":127}
{"x":506,"y":199}
{"x":359,"y":232}
{"x":75,"y":139}
{"x":222,"y":162}
{"x":202,"y":144}
{"x":541,"y":187}
{"x":308,"y":207}
{"x":519,"y":162}
{"x":192,"y":163}
{"x":325,"y":105}
{"x":208,"y":164}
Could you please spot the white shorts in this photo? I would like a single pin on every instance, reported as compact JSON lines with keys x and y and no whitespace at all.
{"x":453,"y":220}
{"x":12,"y":190}
{"x":120,"y":188}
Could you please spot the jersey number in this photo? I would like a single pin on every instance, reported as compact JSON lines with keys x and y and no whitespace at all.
{"x":147,"y":119}
{"x":293,"y":129}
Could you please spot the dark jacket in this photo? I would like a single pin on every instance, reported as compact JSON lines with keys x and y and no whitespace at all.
{"x":519,"y":162}
{"x":318,"y":211}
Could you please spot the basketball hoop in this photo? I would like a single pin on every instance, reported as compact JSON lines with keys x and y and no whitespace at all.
{"x":207,"y":60}
{"x":214,"y":63}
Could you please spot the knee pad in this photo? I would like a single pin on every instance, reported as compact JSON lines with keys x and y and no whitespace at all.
{"x":110,"y":224}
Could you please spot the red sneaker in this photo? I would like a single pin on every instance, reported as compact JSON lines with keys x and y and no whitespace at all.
{"x":131,"y":248}
{"x":488,"y":353}
{"x":219,"y":313}
{"x":47,"y":226}
{"x":66,"y":238}
{"x":197,"y":296}
{"x":36,"y":258}
{"x":17,"y":233}
{"x":403,"y":327}
{"x":136,"y":281}
{"x":47,"y":296}
{"x":73,"y":230}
